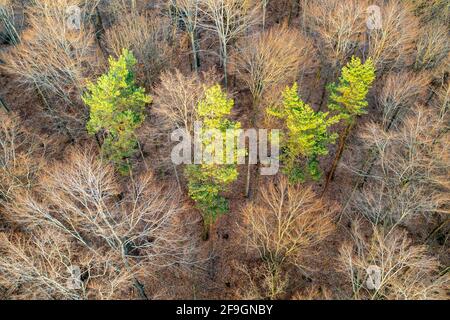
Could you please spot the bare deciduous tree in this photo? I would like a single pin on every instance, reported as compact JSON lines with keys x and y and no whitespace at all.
{"x":229,"y":19}
{"x":436,"y":10}
{"x":51,"y":56}
{"x":9,"y":26}
{"x":283,"y":225}
{"x":314,"y":292}
{"x":188,"y":14}
{"x":176,"y":97}
{"x":45,"y":265}
{"x":20,"y":159}
{"x":141,"y":227}
{"x":262,"y":282}
{"x":399,"y":94}
{"x":285,"y":222}
{"x":340,"y":26}
{"x":408,"y":179}
{"x":55,"y":61}
{"x":392,"y":45}
{"x":80,"y":197}
{"x":432,"y":46}
{"x":147,"y":37}
{"x":405,"y":271}
{"x":272,"y":58}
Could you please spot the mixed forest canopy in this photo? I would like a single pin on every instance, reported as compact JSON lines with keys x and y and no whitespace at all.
{"x":93,"y":205}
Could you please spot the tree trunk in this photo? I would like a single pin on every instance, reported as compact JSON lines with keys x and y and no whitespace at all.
{"x":264,"y":8}
{"x":99,"y":31}
{"x":339,"y":153}
{"x":225,"y":65}
{"x":205,"y":232}
{"x":329,"y":76}
{"x":247,"y":184}
{"x":255,"y":105}
{"x":137,"y":284}
{"x":324,"y":92}
{"x":196,"y":58}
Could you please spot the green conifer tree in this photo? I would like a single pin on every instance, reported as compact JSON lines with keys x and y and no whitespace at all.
{"x":307,"y":137}
{"x":348,"y":96}
{"x":116,"y":106}
{"x":206,"y":181}
{"x":348,"y":99}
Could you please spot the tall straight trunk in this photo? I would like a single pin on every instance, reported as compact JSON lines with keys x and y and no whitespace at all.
{"x":339,"y":153}
{"x":225,"y":64}
{"x":264,"y":8}
{"x":248,"y":181}
{"x":324,"y":92}
{"x":137,"y":284}
{"x":99,"y":32}
{"x":206,"y":230}
{"x":195,"y":54}
{"x":255,"y":105}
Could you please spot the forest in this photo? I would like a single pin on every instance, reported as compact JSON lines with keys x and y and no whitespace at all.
{"x":321,"y":129}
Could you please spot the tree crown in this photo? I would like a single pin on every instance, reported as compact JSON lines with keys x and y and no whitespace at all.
{"x":307,"y":132}
{"x":116,"y":106}
{"x":348,"y":96}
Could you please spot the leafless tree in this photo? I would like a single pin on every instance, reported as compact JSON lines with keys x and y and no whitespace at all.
{"x":51,"y":57}
{"x":147,"y":37}
{"x":262,"y":282}
{"x":436,"y":10}
{"x":442,"y":101}
{"x":20,"y":157}
{"x":340,"y":26}
{"x":141,"y":227}
{"x":9,"y":26}
{"x":282,"y":225}
{"x":285,"y":222}
{"x":188,"y":12}
{"x":314,"y":292}
{"x":392,"y":45}
{"x":272,"y":58}
{"x":177,"y":95}
{"x":399,"y":94}
{"x":53,"y":61}
{"x":409,"y":177}
{"x":432,"y":46}
{"x":79,"y":197}
{"x":174,"y":107}
{"x":405,"y":271}
{"x":229,"y":19}
{"x":47,"y":265}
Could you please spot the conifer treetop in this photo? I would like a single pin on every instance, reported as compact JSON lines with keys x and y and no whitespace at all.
{"x":348,"y":96}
